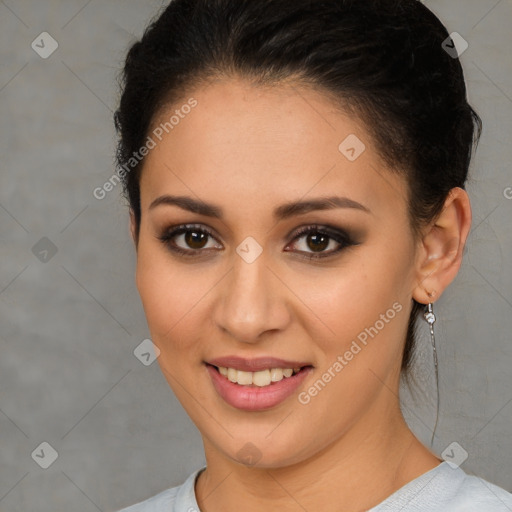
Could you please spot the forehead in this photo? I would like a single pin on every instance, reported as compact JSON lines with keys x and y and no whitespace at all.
{"x":275,"y":143}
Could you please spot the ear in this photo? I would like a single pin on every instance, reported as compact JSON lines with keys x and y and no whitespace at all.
{"x":441,"y":247}
{"x":133,"y":229}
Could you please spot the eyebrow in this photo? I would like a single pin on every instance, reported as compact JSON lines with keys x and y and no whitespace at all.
{"x":282,"y":212}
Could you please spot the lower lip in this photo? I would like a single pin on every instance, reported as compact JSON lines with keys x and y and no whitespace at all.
{"x":255,"y":398}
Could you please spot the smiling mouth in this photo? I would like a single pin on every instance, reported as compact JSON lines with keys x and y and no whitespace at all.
{"x":260,"y":378}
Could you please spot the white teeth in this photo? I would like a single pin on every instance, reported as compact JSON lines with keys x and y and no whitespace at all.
{"x":244,"y":378}
{"x":276,"y":374}
{"x":261,"y":378}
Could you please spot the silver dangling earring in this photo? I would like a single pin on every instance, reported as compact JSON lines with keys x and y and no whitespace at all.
{"x":430,"y":318}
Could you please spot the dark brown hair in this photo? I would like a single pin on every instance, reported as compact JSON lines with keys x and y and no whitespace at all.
{"x":382,"y":60}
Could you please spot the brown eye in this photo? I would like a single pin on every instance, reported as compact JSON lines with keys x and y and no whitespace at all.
{"x":316,"y":239}
{"x":192,"y":241}
{"x":195,"y":239}
{"x":188,"y":240}
{"x":317,"y":242}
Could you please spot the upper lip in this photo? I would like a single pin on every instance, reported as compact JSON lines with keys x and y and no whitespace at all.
{"x":256,"y":364}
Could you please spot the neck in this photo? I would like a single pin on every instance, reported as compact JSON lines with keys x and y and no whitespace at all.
{"x":356,"y":472}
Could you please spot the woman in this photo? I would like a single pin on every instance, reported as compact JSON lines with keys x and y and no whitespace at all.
{"x":295,"y":173}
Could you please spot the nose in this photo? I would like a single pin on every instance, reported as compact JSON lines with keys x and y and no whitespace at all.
{"x":251,"y":301}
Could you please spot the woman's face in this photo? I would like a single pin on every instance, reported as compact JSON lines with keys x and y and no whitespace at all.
{"x":253,"y":166}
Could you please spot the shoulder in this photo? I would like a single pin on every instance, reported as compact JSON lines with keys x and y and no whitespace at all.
{"x":474,"y":493}
{"x":448,"y":488}
{"x":175,"y":499}
{"x":160,"y":502}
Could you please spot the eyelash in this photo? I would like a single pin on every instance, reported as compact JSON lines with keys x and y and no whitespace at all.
{"x":341,"y":237}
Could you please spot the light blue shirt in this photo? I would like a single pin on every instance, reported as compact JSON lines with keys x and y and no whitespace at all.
{"x":442,"y":489}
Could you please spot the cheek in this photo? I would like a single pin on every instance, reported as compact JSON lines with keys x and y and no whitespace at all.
{"x":362,"y":315}
{"x":162,"y":289}
{"x":353,"y":296}
{"x":173,"y":297}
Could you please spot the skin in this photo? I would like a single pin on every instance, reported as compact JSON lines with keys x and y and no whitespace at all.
{"x":249,"y":149}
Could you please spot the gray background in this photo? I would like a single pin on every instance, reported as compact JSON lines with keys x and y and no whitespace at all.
{"x":70,"y":323}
